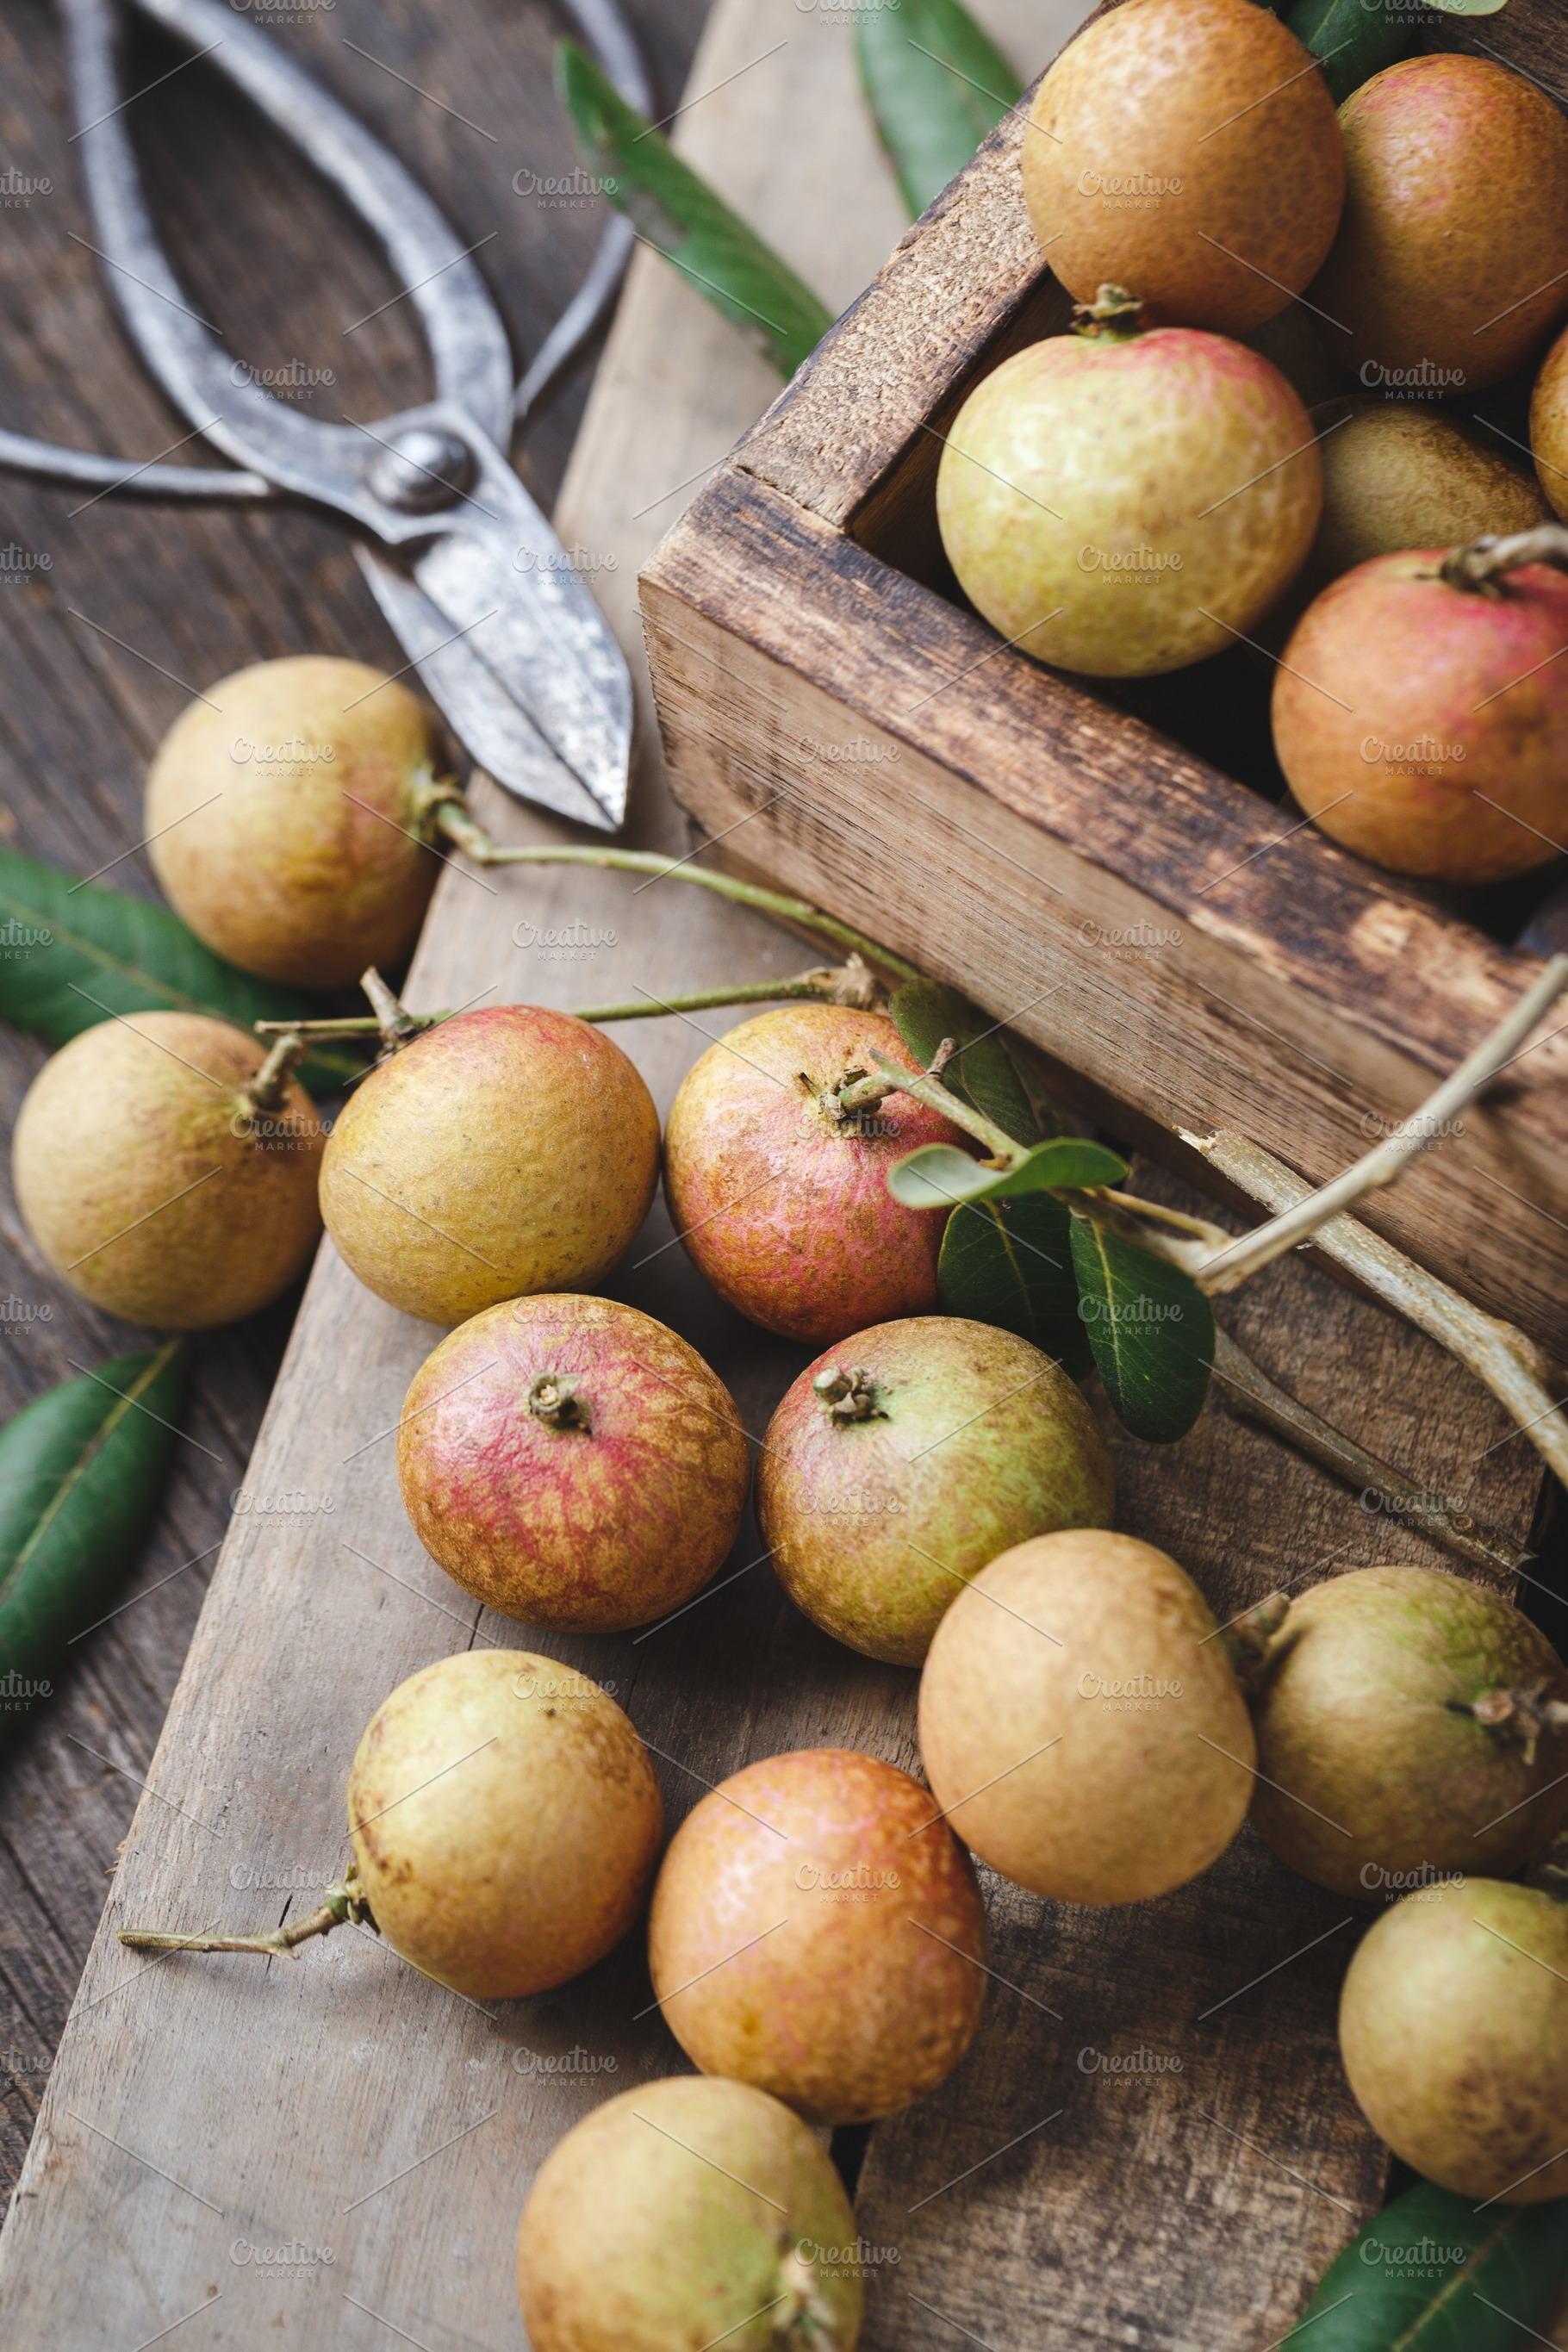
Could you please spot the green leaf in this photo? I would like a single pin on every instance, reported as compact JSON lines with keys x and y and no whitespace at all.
{"x":680,"y":215}
{"x":81,"y":1473}
{"x":1354,"y":40}
{"x":983,"y":1072}
{"x":937,"y":86}
{"x":1151,"y":1330}
{"x":1064,"y":1163}
{"x":1010,"y":1263}
{"x":73,"y":954}
{"x":1434,"y":2272}
{"x":940,"y":1176}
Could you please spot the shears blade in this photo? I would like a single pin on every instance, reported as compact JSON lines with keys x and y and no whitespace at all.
{"x":486,"y":719}
{"x":508,"y":593}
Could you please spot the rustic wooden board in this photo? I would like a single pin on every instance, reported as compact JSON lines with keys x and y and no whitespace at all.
{"x":199,"y":2106}
{"x":1532,"y":38}
{"x":268,"y":258}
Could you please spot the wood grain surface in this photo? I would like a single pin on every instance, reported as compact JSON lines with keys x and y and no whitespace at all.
{"x":202,"y":2109}
{"x":199,"y":2107}
{"x":191,"y":598}
{"x":1529,"y":35}
{"x":253,"y":2104}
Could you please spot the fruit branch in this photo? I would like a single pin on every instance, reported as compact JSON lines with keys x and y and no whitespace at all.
{"x":1387,"y":1160}
{"x":268,"y":1090}
{"x":1124,"y":1213}
{"x":455,"y":821}
{"x":1486,"y":561}
{"x":395,"y":1025}
{"x":391,"y":1022}
{"x":352,"y":1024}
{"x":1219,"y":1262}
{"x":858,"y":1092}
{"x":851,"y":983}
{"x":345,"y":1902}
{"x":1189,"y":1245}
{"x":1256,"y":1395}
{"x":1212,"y":1236}
{"x":1518,"y":1372}
{"x":924,"y":1086}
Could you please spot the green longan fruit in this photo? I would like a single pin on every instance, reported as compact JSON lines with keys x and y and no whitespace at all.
{"x":689,"y":2212}
{"x":1454,"y":2032}
{"x":287,"y":811}
{"x":1403,"y":1726}
{"x":507,"y":1151}
{"x":1400,"y":474}
{"x":506,"y":1822}
{"x":155,"y":1185}
{"x":905,"y":1459}
{"x":1081,"y":1727}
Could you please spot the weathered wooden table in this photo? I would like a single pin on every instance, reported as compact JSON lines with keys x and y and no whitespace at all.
{"x":194,"y":597}
{"x":200,"y":2109}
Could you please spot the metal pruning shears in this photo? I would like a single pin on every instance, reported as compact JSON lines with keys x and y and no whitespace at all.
{"x":463,"y":565}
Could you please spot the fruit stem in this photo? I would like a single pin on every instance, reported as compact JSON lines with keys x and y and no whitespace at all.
{"x":1113,"y":317}
{"x":1523,"y":1714}
{"x":428,"y":796}
{"x":1485,"y":561}
{"x":268,"y":1090}
{"x":1232,"y":1265}
{"x":344,"y":1901}
{"x":1246,"y":1639}
{"x":848,"y":1395}
{"x":395,"y":1025}
{"x":852,"y":984}
{"x":1551,"y":1873}
{"x":461,"y":828}
{"x":857,"y":1092}
{"x":801,"y":2315}
{"x":1518,"y":1372}
{"x":925,"y":1088}
{"x":1458,"y":1532}
{"x":552,"y":1399}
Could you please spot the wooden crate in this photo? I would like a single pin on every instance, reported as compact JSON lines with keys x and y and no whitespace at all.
{"x":1071,"y":865}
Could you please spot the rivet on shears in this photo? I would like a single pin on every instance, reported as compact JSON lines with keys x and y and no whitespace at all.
{"x":422,"y":470}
